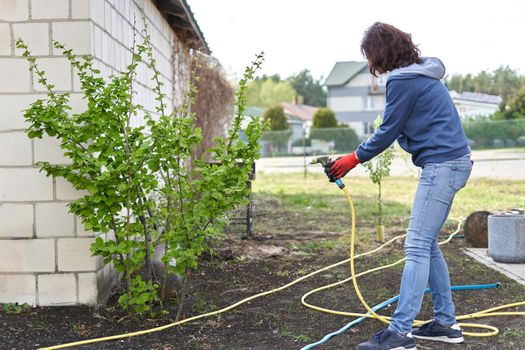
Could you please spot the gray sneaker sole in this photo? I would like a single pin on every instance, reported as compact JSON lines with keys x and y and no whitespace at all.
{"x":443,"y":339}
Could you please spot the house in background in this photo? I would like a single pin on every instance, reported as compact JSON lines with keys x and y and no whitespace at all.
{"x":355,"y":95}
{"x":475,"y":104}
{"x":300,"y":118}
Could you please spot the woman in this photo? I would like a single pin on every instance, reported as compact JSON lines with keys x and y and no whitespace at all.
{"x":420,"y":114}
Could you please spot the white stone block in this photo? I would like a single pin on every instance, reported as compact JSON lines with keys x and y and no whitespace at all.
{"x":15,"y":148}
{"x":25,"y":184}
{"x":74,"y":35}
{"x":81,"y":9}
{"x":65,"y":191}
{"x":107,"y":16}
{"x":14,"y":10}
{"x":47,"y":149}
{"x":5,"y":39}
{"x":58,"y":73}
{"x":74,"y":255}
{"x":27,"y":255}
{"x":81,"y":231}
{"x":57,"y":289}
{"x":46,"y":9}
{"x":12,"y":111}
{"x":87,"y":288}
{"x":16,"y":220}
{"x":14,"y":75}
{"x":17,"y":289}
{"x":54,"y":219}
{"x":77,"y":103}
{"x":35,"y":35}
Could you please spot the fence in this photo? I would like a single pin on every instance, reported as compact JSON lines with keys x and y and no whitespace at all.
{"x":317,"y":141}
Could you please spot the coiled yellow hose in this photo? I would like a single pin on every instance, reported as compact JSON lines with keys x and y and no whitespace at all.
{"x":371,"y":314}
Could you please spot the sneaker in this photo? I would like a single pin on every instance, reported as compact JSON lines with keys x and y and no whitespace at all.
{"x":388,"y":340}
{"x":435,"y":331}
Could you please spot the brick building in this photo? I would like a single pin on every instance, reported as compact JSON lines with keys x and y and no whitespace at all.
{"x":44,"y":250}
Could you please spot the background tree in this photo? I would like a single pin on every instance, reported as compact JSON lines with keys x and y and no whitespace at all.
{"x":324,"y":118}
{"x":515,"y":108}
{"x":309,"y":90}
{"x":269,"y":91}
{"x":278,"y":120}
{"x":503,"y":81}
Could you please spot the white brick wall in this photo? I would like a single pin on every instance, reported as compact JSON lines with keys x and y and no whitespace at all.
{"x":23,"y":286}
{"x":16,"y":220}
{"x":57,"y":289}
{"x":14,"y":10}
{"x":5,"y":39}
{"x":48,"y":9}
{"x":24,"y":184}
{"x":14,"y":75}
{"x":16,"y":149}
{"x":35,"y":35}
{"x":54,"y":220}
{"x":74,"y":255}
{"x":44,"y":250}
{"x":27,"y":255}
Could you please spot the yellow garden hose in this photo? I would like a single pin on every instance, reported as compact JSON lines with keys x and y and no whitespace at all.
{"x":371,"y":314}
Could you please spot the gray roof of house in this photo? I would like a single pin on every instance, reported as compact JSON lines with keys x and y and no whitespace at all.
{"x":476,"y":97}
{"x":343,"y":72}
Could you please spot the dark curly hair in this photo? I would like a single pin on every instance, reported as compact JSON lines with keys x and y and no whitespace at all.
{"x":387,"y":48}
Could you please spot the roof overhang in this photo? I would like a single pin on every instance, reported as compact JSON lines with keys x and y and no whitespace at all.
{"x":180,"y":18}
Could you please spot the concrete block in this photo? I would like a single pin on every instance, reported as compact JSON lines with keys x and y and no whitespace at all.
{"x":12,"y":111}
{"x":58,"y":73}
{"x":27,"y":255}
{"x":14,"y":75}
{"x":54,"y":219}
{"x":35,"y":35}
{"x":16,"y":220}
{"x":65,"y":191}
{"x":74,"y":255}
{"x":14,"y":10}
{"x":57,"y":289}
{"x":74,"y":35}
{"x":81,"y":232}
{"x":16,"y":148}
{"x":77,"y":102}
{"x":87,"y":288}
{"x":24,"y":184}
{"x":18,"y":289}
{"x":46,"y":9}
{"x":5,"y":39}
{"x":81,"y":9}
{"x":47,"y":149}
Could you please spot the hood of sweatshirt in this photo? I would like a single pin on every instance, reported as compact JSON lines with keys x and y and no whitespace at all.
{"x":431,"y":67}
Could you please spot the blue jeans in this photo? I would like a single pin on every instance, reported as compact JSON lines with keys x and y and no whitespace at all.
{"x":424,"y":264}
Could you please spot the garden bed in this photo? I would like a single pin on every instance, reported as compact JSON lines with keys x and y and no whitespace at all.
{"x":293,"y":237}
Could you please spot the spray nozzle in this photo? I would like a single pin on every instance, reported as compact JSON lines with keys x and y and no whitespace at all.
{"x":326,"y":162}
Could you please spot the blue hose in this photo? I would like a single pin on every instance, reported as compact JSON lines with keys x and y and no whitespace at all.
{"x":389,"y":302}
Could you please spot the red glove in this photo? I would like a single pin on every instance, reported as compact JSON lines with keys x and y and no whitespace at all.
{"x":342,"y":165}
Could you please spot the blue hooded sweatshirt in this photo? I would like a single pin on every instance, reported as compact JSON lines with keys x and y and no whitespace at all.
{"x":420,"y":114}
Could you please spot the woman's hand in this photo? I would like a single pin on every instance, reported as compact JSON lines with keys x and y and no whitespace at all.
{"x":342,"y":165}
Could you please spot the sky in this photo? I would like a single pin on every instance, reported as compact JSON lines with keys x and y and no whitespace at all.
{"x":468,"y":36}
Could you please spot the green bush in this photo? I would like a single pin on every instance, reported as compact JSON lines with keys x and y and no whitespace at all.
{"x":493,"y":134}
{"x":277,"y":118}
{"x":324,"y":118}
